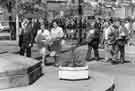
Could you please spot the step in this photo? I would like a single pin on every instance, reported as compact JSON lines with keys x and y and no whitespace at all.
{"x":17,"y":71}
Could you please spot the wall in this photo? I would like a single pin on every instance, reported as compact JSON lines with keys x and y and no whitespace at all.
{"x":120,"y":12}
{"x":124,"y":12}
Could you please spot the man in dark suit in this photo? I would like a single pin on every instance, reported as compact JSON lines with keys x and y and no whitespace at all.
{"x":27,"y":40}
{"x":93,"y":43}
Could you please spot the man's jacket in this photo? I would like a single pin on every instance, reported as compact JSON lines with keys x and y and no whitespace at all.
{"x":27,"y":36}
{"x":123,"y":36}
{"x":93,"y":37}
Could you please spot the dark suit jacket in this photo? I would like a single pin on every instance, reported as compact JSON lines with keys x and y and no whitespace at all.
{"x":35,"y":28}
{"x":27,"y":36}
{"x":93,"y":39}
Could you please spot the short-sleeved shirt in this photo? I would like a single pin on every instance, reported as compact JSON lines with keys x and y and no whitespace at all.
{"x":57,"y":32}
{"x":111,"y":34}
{"x":42,"y":35}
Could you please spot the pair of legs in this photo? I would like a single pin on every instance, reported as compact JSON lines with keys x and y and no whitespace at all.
{"x":24,"y":49}
{"x":96,"y":52}
{"x":110,"y":52}
{"x":120,"y":49}
{"x":56,"y":47}
{"x":46,"y":53}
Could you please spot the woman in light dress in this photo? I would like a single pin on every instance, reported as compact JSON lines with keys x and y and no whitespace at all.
{"x":43,"y":40}
{"x":56,"y":37}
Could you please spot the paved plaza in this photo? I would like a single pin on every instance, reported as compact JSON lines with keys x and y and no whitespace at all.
{"x":98,"y":81}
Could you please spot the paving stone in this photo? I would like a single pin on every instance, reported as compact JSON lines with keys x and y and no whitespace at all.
{"x":123,"y":74}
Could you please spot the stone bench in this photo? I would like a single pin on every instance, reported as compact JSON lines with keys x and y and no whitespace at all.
{"x":17,"y":71}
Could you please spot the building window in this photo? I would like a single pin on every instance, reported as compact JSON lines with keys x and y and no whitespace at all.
{"x":73,"y":1}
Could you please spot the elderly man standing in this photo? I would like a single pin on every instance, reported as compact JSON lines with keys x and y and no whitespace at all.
{"x":56,"y":36}
{"x":93,"y":43}
{"x":111,"y":35}
{"x":121,"y":41}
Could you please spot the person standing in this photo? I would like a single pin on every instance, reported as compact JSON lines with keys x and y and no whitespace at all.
{"x":104,"y":36}
{"x":27,"y":40}
{"x":121,"y":42}
{"x":111,"y":35}
{"x":93,"y":43}
{"x":56,"y":36}
{"x":43,"y":40}
{"x":23,"y":26}
{"x":98,"y":28}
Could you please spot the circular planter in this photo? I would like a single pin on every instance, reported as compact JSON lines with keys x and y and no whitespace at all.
{"x":73,"y":73}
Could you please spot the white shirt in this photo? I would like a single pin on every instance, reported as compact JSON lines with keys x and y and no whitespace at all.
{"x":129,"y":27}
{"x":43,"y":36}
{"x":57,"y":32}
{"x":106,"y":32}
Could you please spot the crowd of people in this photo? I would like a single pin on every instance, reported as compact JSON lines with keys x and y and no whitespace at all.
{"x":112,"y":34}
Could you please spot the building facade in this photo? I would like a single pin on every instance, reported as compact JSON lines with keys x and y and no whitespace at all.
{"x":117,"y":8}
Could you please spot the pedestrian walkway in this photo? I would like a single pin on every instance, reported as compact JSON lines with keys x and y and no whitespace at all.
{"x":50,"y":82}
{"x":101,"y":74}
{"x":123,"y":74}
{"x":8,"y":46}
{"x":12,"y":47}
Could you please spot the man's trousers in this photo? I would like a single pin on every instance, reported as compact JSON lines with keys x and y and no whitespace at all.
{"x":95,"y":49}
{"x":25,"y":49}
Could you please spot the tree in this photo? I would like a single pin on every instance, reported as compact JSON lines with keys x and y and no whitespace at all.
{"x":33,"y":9}
{"x":36,"y":7}
{"x":9,"y":4}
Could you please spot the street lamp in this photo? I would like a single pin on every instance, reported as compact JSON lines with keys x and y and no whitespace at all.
{"x":80,"y":12}
{"x":80,"y":7}
{"x":17,"y":22}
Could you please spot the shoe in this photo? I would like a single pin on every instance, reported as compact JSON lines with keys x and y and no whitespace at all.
{"x":108,"y":60}
{"x":56,"y":65}
{"x":122,"y":61}
{"x":88,"y":59}
{"x":114,"y":62}
{"x":97,"y":59}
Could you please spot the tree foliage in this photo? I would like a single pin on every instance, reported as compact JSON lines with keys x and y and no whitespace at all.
{"x":22,"y":8}
{"x":32,"y":9}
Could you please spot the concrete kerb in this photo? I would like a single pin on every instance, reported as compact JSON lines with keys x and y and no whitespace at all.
{"x":110,"y":80}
